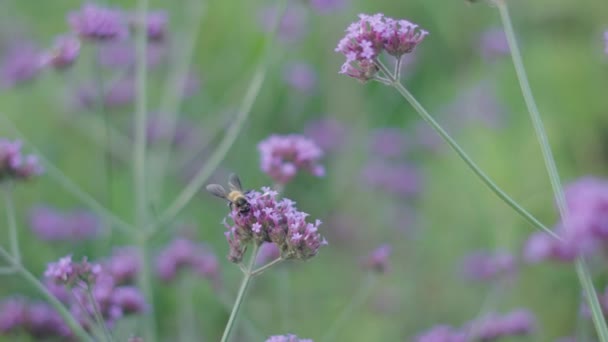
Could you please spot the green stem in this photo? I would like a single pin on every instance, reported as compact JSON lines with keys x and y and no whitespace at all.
{"x":229,"y":138}
{"x":463,"y":155}
{"x":265,"y":267}
{"x":251,"y":330}
{"x":144,"y":281}
{"x":97,"y":315}
{"x":355,"y":303}
{"x":13,"y":234}
{"x":240,"y":297}
{"x":61,"y":309}
{"x":581,"y":267}
{"x":186,"y":310}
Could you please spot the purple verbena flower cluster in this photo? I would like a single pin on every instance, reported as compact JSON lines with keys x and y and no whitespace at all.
{"x":367,"y":38}
{"x":584,"y":230}
{"x":182,"y":253}
{"x":493,"y":44}
{"x":98,"y":23}
{"x":64,"y":52}
{"x":14,"y":165}
{"x":328,"y":133}
{"x":287,"y":338}
{"x":441,"y":333}
{"x":282,"y":156}
{"x":123,"y":265}
{"x":378,"y":259}
{"x":483,"y":265}
{"x":110,"y":286}
{"x":36,"y":319}
{"x":494,"y":326}
{"x":156,"y":24}
{"x":50,"y":224}
{"x":276,"y":221}
{"x":267,"y":253}
{"x":20,"y":64}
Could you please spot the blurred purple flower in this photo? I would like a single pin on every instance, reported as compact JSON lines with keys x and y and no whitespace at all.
{"x":388,"y":142}
{"x":293,"y":24}
{"x":58,"y":290}
{"x":98,"y":23}
{"x":271,"y":220}
{"x":267,"y":253}
{"x":63,"y":54}
{"x":123,"y":265}
{"x":483,"y":265}
{"x":156,"y":24}
{"x":586,"y":227}
{"x":50,"y":224}
{"x":67,"y":272}
{"x":39,"y":320}
{"x":282,"y":156}
{"x":183,"y":253}
{"x":493,"y":44}
{"x":21,"y":63}
{"x":377,"y":260}
{"x":441,"y":333}
{"x":287,"y":338}
{"x":120,"y":93}
{"x":328,"y":133}
{"x":369,"y":37}
{"x":394,"y":178}
{"x":121,"y":54}
{"x":129,"y":299}
{"x":494,"y":326}
{"x":328,"y":6}
{"x":301,"y":76}
{"x":477,"y":103}
{"x":15,"y":165}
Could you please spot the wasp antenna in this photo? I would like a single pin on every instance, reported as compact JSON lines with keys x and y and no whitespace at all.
{"x":217,"y":190}
{"x":234,"y":182}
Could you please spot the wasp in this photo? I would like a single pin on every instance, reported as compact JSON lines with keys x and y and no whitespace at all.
{"x":236,"y":197}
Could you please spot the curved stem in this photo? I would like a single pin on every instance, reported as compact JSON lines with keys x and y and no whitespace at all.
{"x":267,"y":266}
{"x":229,"y":138}
{"x":464,"y":156}
{"x":357,"y":300}
{"x":241,"y":295}
{"x":581,"y":267}
{"x":13,"y":234}
{"x":57,"y":305}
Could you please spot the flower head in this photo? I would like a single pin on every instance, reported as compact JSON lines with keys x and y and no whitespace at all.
{"x":183,"y":253}
{"x":51,"y":224}
{"x":287,"y":338}
{"x":300,"y":76}
{"x":98,"y":23}
{"x":20,"y":63}
{"x":64,"y":52}
{"x":441,"y":333}
{"x":123,"y":265}
{"x":486,"y":266}
{"x":329,"y":134}
{"x":156,"y":24}
{"x":494,"y":326}
{"x":267,"y":253}
{"x":37,"y":319}
{"x":281,"y":156}
{"x":377,"y":260}
{"x":493,"y":44}
{"x":67,"y":272}
{"x":14,"y":165}
{"x":276,"y":221}
{"x":367,"y":38}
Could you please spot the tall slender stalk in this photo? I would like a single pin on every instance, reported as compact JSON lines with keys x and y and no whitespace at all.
{"x":78,"y":331}
{"x":13,"y":234}
{"x":581,"y":267}
{"x":462,"y":154}
{"x":253,"y":89}
{"x":97,"y":315}
{"x":247,"y":276}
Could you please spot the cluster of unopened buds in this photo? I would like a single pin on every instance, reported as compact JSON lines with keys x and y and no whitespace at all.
{"x":14,"y":165}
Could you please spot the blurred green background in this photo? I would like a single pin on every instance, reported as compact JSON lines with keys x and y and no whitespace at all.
{"x":453,"y":214}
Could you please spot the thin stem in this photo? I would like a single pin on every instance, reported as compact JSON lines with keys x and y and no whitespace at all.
{"x":464,"y":156}
{"x":57,"y":305}
{"x":186,"y":310}
{"x":144,"y":280}
{"x":13,"y":234}
{"x":229,"y":138}
{"x":252,"y":332}
{"x":174,"y":86}
{"x":69,"y":185}
{"x":355,"y":303}
{"x":581,"y":267}
{"x":267,"y":266}
{"x":241,"y":295}
{"x":97,"y":315}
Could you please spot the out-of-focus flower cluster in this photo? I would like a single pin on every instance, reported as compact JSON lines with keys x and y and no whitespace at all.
{"x":282,"y":156}
{"x":50,"y":224}
{"x":14,"y":165}
{"x":583,"y":231}
{"x":276,"y":221}
{"x":367,"y":38}
{"x":490,"y":327}
{"x":34,"y":318}
{"x":182,"y":253}
{"x":377,"y":260}
{"x":287,"y":338}
{"x":484,"y":265}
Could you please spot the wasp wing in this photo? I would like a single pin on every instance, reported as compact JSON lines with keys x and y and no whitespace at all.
{"x":234,"y":182}
{"x":217,"y":190}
